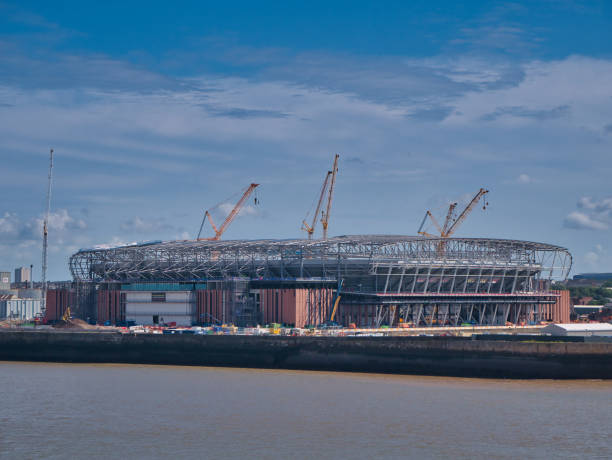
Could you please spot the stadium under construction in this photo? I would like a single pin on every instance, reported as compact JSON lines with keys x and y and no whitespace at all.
{"x":376,"y":280}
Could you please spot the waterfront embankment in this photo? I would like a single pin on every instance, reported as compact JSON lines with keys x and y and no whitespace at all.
{"x":450,"y":356}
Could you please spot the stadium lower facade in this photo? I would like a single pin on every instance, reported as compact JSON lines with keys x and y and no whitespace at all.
{"x":381,"y":280}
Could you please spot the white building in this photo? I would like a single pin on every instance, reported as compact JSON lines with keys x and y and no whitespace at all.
{"x":579,"y":329}
{"x":151,"y":307}
{"x":19,"y":308}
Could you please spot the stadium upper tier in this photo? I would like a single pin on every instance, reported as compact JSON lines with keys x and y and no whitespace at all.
{"x":353,"y":258}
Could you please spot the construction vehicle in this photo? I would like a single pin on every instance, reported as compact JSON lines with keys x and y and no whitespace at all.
{"x":67,"y":315}
{"x":230,"y":217}
{"x":43,"y":306}
{"x":331,"y":324}
{"x":326,"y":214}
{"x":451,"y":223}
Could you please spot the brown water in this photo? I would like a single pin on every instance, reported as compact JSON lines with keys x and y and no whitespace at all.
{"x":110,"y":411}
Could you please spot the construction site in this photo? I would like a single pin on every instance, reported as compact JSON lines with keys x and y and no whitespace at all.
{"x":356,"y":281}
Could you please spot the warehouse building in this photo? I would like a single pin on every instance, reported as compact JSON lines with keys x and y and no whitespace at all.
{"x":579,"y":329}
{"x":22,"y":309}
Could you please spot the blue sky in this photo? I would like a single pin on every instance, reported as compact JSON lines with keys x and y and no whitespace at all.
{"x":158,"y":110}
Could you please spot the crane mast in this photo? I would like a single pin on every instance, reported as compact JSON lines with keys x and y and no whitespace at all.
{"x":310,"y":228}
{"x":449,"y":217}
{"x":45,"y":237}
{"x":325,"y":217}
{"x":228,"y":220}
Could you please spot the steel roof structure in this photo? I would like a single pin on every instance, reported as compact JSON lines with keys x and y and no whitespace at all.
{"x":356,"y":255}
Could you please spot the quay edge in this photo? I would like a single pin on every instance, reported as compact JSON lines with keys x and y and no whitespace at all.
{"x":444,"y":356}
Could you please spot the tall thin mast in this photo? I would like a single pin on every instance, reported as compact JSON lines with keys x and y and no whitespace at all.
{"x":325,"y":219}
{"x":45,"y":234}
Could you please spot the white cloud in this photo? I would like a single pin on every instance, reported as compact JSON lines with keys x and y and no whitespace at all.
{"x":12,"y":226}
{"x":591,"y":257}
{"x":580,"y":221}
{"x":9,"y":224}
{"x":593,"y":214}
{"x":524,"y":179}
{"x":595,"y":256}
{"x":61,"y":220}
{"x":602,"y":207}
{"x":137,"y":224}
{"x":245,"y":210}
{"x":275,"y":128}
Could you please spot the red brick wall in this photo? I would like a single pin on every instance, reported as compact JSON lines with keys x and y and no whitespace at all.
{"x":209,"y":306}
{"x":58,"y":300}
{"x":559,"y":312}
{"x":109,"y":307}
{"x":296,"y":307}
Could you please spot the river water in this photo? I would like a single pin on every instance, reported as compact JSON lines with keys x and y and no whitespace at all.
{"x":111,"y":411}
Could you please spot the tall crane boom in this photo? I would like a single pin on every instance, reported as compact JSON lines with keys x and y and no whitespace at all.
{"x":325,"y":217}
{"x":482,"y":192}
{"x":449,"y":228}
{"x":449,"y":216}
{"x":310,"y":228}
{"x":45,"y":237}
{"x":228,"y":220}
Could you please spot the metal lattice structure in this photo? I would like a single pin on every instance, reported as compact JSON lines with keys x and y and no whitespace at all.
{"x":343,"y":256}
{"x":398,"y":275}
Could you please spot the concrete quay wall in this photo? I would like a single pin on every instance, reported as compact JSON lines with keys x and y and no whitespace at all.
{"x":449,"y":356}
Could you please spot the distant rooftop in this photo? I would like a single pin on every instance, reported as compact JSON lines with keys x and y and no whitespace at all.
{"x":580,"y":327}
{"x":593,"y":276}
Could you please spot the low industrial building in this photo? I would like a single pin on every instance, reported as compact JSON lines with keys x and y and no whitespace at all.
{"x":579,"y":329}
{"x":22,"y":309}
{"x":587,"y":309}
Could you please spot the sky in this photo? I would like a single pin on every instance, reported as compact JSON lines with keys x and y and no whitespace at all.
{"x":158,"y":111}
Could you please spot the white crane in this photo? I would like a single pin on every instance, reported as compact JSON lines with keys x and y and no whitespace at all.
{"x":45,"y":233}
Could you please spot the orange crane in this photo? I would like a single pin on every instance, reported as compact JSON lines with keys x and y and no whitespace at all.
{"x":325,"y":216}
{"x":230,"y":217}
{"x":449,"y":228}
{"x":310,"y":228}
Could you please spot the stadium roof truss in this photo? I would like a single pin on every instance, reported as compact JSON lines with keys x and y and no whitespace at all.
{"x":342,"y":256}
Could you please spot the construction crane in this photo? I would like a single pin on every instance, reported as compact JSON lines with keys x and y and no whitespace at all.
{"x":45,"y":238}
{"x":311,"y":228}
{"x":451,"y":224}
{"x":325,"y":216}
{"x":230,"y":217}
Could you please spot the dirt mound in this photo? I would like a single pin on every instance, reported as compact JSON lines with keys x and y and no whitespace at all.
{"x":75,"y":323}
{"x":11,"y":323}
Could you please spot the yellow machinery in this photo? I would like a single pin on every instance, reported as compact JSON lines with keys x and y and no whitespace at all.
{"x":67,"y":314}
{"x":230,"y":217}
{"x":310,"y":228}
{"x":328,"y":186}
{"x":450,"y":225}
{"x":325,"y":216}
